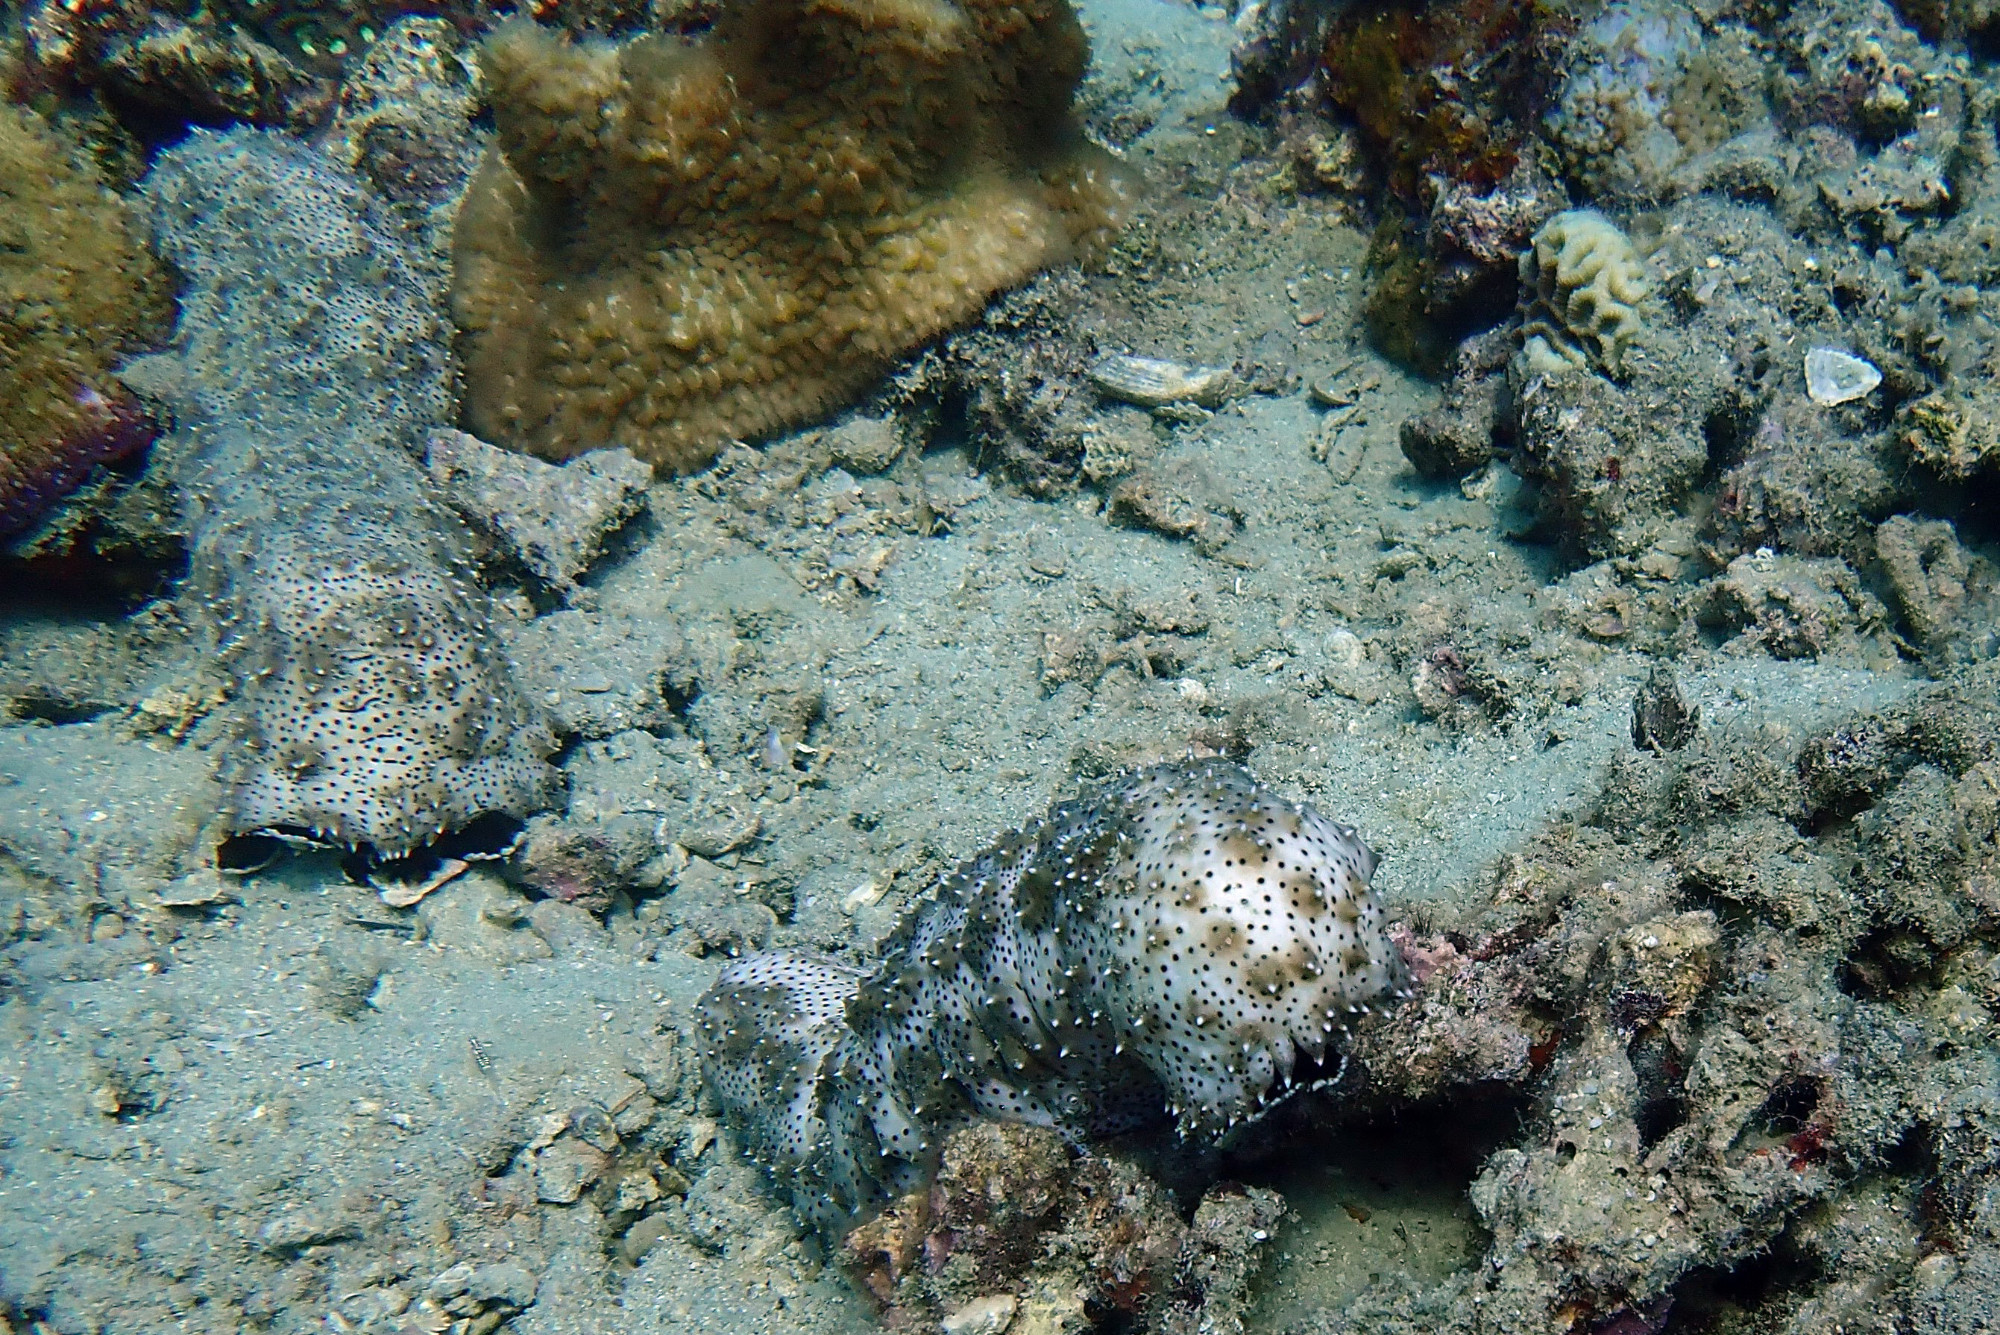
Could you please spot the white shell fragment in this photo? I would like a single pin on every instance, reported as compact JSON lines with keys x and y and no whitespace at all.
{"x":1152,"y":383}
{"x":1833,"y":376}
{"x":406,"y":894}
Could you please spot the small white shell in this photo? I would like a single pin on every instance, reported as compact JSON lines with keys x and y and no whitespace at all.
{"x":1833,"y":376}
{"x":1151,"y":383}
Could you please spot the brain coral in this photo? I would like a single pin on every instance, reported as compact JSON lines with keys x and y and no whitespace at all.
{"x":1581,"y":285}
{"x":76,"y":289}
{"x":1184,"y":936}
{"x":678,"y":243}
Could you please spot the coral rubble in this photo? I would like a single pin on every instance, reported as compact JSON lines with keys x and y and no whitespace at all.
{"x":1184,"y":935}
{"x":76,"y":288}
{"x":1018,"y":1223}
{"x":308,"y":371}
{"x":1442,"y":93}
{"x":1745,"y":1028}
{"x":675,"y":244}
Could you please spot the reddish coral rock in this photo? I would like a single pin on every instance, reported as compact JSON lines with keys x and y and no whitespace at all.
{"x":76,"y":288}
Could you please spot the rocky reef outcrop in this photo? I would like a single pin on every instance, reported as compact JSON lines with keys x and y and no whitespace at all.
{"x":79,"y":289}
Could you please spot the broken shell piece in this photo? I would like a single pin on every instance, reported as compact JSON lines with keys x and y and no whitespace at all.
{"x":404,"y":894}
{"x":1151,"y":383}
{"x":1833,"y":376}
{"x":198,"y":889}
{"x":865,"y":895}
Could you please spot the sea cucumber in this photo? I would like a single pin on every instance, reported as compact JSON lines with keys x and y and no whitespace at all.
{"x":307,"y":371}
{"x":1184,"y":937}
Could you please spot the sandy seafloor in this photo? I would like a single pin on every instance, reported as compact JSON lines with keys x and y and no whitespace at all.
{"x":208,"y":1123}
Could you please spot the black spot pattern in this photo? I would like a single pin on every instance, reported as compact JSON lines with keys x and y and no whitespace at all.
{"x":1181,"y":936}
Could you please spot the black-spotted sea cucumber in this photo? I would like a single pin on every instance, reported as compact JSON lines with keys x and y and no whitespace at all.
{"x":1183,"y":938}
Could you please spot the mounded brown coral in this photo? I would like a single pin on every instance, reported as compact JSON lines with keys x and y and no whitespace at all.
{"x":76,"y":289}
{"x":678,"y":243}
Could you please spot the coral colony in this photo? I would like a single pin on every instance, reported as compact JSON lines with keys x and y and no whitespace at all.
{"x":675,"y":244}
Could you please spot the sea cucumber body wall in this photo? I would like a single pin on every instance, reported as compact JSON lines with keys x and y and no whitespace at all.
{"x":1182,"y":938}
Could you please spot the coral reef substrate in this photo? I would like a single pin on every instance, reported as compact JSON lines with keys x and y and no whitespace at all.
{"x":1183,"y":935}
{"x":674,"y":244}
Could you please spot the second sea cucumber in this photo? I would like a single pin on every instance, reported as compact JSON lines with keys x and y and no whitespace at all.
{"x":1182,"y":938}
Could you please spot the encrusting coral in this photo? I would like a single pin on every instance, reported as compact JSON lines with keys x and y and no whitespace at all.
{"x":76,"y":289}
{"x":674,"y":244}
{"x":1184,"y":936}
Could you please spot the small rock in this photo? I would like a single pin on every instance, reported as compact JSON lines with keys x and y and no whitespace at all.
{"x":482,"y":915}
{"x":1183,"y":503}
{"x":990,"y":1315}
{"x":553,"y":518}
{"x":565,"y":1169}
{"x":294,"y":1231}
{"x":593,"y":1126}
{"x":721,"y":835}
{"x":641,"y":1238}
{"x":198,"y":889}
{"x":865,"y":444}
{"x":502,"y":1284}
{"x":450,"y":1283}
{"x":569,"y":929}
{"x":1833,"y":376}
{"x":733,"y":927}
{"x":1662,"y":718}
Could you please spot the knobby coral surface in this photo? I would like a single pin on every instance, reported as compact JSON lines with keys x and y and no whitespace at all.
{"x":75,"y":288}
{"x":1581,"y":285}
{"x":675,"y":244}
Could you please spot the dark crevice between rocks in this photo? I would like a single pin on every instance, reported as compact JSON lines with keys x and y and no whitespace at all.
{"x":48,"y":709}
{"x":1445,"y":1142}
{"x":1661,"y":1072}
{"x":1749,"y":1295}
{"x":680,"y":696}
{"x":84,"y":585}
{"x":1889,"y":961}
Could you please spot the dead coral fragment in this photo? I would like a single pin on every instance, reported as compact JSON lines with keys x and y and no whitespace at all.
{"x":678,"y":244}
{"x":75,"y":285}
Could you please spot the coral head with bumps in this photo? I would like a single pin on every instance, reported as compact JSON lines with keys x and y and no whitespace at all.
{"x":678,"y":243}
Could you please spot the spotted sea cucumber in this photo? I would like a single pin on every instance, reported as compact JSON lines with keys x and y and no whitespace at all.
{"x":1183,"y":937}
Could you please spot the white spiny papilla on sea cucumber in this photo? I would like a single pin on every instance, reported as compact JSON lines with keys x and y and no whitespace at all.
{"x":1184,"y":937}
